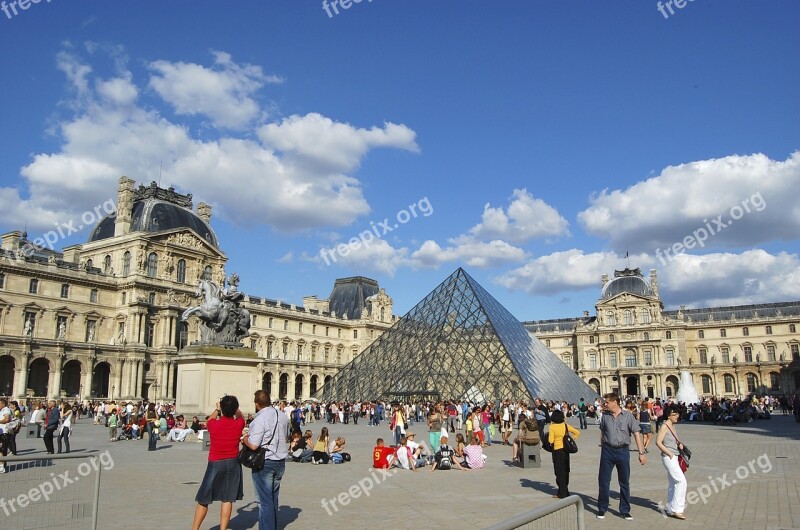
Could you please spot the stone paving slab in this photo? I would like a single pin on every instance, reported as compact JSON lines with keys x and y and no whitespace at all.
{"x":157,"y":489}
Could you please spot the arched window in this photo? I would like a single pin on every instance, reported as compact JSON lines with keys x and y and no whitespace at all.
{"x":728,"y":378}
{"x":628,"y":317}
{"x":181,"y":271}
{"x":645,"y":316}
{"x":792,"y":327}
{"x":126,"y":263}
{"x":774,"y":381}
{"x":611,"y":338}
{"x":752,"y":382}
{"x":107,"y":264}
{"x":668,"y":335}
{"x":646,"y":335}
{"x":706,"y":381}
{"x":611,"y":320}
{"x":701,"y":334}
{"x":152,"y":265}
{"x":207,"y":273}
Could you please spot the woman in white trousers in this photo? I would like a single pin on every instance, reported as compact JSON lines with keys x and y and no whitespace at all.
{"x":670,"y":448}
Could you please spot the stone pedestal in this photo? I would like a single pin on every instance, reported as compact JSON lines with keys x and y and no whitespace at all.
{"x":208,"y":372}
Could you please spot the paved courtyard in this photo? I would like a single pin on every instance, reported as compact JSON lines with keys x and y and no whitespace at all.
{"x":745,"y":476}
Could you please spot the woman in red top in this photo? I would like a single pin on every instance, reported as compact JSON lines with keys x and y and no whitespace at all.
{"x":223,"y":478}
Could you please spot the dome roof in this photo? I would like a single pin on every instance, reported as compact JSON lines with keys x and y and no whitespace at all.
{"x":349,"y":296}
{"x":627,"y":281}
{"x":155,"y":215}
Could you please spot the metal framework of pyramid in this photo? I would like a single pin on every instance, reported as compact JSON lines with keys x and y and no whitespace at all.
{"x":457,"y":343}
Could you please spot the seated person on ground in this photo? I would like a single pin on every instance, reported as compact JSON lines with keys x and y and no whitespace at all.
{"x":473,"y":455}
{"x":405,"y":456}
{"x":382,"y":456}
{"x":336,"y":451}
{"x":444,"y":458}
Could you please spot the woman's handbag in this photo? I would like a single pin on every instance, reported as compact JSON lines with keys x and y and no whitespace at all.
{"x":570,"y":445}
{"x":252,"y":459}
{"x":685,"y":453}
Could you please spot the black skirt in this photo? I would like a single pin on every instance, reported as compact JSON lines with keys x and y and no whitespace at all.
{"x":222,"y":482}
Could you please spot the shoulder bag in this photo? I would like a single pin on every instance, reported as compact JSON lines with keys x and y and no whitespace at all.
{"x":570,"y":445}
{"x":254,"y":459}
{"x":684,"y":455}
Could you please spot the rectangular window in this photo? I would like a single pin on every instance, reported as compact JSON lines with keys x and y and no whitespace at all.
{"x":701,"y":334}
{"x":612,"y":359}
{"x":648,"y":358}
{"x":703,"y":356}
{"x":748,"y":354}
{"x":269,"y":325}
{"x":593,"y":361}
{"x":355,"y":333}
{"x":726,"y":355}
{"x":64,"y":290}
{"x":795,"y":352}
{"x":252,"y":344}
{"x":630,"y":359}
{"x":300,"y":327}
{"x":327,"y":330}
{"x":150,"y":333}
{"x":645,"y":316}
{"x":93,"y":296}
{"x":746,"y":332}
{"x":313,"y":329}
{"x":33,"y":286}
{"x":285,"y":325}
{"x":255,"y":320}
{"x":2,"y":280}
{"x":339,"y":333}
{"x":769,"y":330}
{"x":670,"y":357}
{"x":723,"y":333}
{"x":792,"y":327}
{"x":770,"y":352}
{"x":591,"y":339}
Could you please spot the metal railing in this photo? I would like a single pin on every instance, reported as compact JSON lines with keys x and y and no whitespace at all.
{"x":50,"y":491}
{"x":563,"y":514}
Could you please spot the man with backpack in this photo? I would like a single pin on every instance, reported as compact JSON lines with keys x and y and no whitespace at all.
{"x":582,"y":410}
{"x":529,"y":434}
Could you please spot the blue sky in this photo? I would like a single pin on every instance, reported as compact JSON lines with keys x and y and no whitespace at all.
{"x":538,"y":141}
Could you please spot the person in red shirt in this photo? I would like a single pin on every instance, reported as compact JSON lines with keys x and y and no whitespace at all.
{"x":382,"y":456}
{"x":223,"y":478}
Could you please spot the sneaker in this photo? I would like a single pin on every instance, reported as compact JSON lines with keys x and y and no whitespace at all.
{"x":2,"y":469}
{"x":601,"y":515}
{"x":626,"y":516}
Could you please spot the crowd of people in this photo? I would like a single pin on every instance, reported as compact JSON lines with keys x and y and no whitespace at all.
{"x":457,"y":433}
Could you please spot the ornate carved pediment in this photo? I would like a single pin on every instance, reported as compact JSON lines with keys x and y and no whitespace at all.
{"x":186,"y":239}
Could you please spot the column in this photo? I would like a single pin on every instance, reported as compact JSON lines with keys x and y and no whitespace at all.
{"x":169,"y":393}
{"x":87,"y":385}
{"x":306,"y":386}
{"x":55,"y":390}
{"x":139,"y":375}
{"x":22,"y":379}
{"x":162,"y":386}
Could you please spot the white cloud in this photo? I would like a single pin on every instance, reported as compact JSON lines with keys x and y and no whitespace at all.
{"x":666,"y":209}
{"x":247,"y":182}
{"x":224,"y":93}
{"x":377,"y":256}
{"x":526,"y":218}
{"x":317,"y":139}
{"x":287,"y":258}
{"x":467,"y":250}
{"x":570,"y":270}
{"x":722,"y":279}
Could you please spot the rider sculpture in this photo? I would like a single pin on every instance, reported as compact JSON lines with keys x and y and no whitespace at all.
{"x":223,"y":320}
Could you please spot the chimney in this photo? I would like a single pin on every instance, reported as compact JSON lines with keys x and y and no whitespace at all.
{"x":122,"y":223}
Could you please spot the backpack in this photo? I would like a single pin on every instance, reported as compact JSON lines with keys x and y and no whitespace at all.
{"x":583,"y":407}
{"x":532,"y":433}
{"x":445,"y":461}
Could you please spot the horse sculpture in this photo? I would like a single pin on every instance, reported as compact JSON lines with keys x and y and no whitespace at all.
{"x":223,"y":320}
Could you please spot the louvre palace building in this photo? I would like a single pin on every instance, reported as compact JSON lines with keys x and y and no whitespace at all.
{"x":633,"y":347}
{"x":101,"y":320}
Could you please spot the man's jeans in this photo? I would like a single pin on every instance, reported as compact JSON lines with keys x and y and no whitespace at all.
{"x":582,"y":419}
{"x":267,"y":484}
{"x":621,"y":459}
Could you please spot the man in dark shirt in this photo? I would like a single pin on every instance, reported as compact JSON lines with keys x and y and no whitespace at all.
{"x":52,"y":419}
{"x":616,"y":427}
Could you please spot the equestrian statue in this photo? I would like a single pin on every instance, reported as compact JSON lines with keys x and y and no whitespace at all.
{"x":223,"y":320}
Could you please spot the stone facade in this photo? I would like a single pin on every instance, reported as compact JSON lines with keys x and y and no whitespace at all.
{"x":102,"y":319}
{"x":633,"y":347}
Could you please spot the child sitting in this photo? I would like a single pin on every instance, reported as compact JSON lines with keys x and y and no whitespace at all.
{"x":382,"y":456}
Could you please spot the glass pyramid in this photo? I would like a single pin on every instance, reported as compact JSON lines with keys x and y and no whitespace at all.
{"x":457,"y":343}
